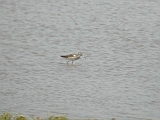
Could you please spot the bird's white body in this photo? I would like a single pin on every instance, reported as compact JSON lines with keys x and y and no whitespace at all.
{"x":72,"y":57}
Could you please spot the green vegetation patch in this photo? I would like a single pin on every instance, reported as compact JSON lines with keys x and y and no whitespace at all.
{"x":57,"y":118}
{"x":6,"y":116}
{"x":20,"y":117}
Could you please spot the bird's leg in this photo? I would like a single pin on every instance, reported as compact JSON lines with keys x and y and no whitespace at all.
{"x":72,"y":62}
{"x":67,"y":62}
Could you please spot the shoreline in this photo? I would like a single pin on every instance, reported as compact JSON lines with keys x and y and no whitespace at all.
{"x":11,"y":116}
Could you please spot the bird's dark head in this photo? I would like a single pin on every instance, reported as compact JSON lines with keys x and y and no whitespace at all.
{"x":80,"y":53}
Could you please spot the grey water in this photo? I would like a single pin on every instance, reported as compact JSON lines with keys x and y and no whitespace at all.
{"x":120,"y":76}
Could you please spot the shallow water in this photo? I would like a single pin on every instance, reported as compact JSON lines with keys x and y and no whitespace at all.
{"x":119,"y":78}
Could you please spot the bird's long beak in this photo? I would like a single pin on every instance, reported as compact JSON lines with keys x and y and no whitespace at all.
{"x":84,"y":56}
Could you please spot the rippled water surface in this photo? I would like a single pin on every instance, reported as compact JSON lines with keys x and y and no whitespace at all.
{"x":120,"y":77}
